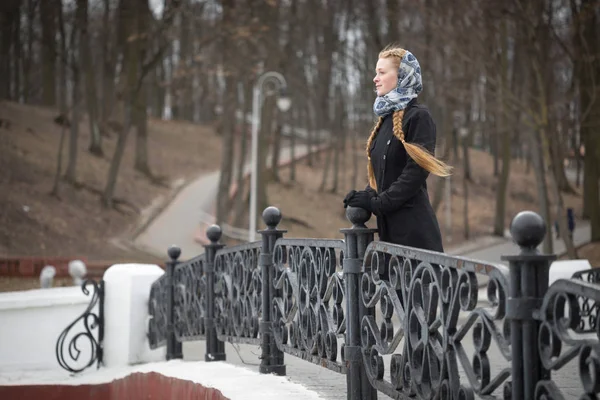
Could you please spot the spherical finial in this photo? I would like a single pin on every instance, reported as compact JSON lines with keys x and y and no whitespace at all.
{"x":213,"y":233}
{"x":528,"y":229}
{"x":272,"y":217}
{"x":46,"y":276}
{"x":77,"y":270}
{"x":358,"y":216}
{"x":174,"y":252}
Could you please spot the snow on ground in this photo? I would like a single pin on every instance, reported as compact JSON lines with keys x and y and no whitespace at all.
{"x":234,"y":382}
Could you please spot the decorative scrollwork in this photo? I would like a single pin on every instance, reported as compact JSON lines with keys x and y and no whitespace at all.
{"x":589,"y":309}
{"x":158,"y":313}
{"x":238,"y":293}
{"x":306,"y":323}
{"x":561,"y":340}
{"x":189,"y":292}
{"x":86,"y":341}
{"x":423,"y":298}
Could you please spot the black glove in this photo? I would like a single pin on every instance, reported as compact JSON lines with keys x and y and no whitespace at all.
{"x":361,"y":199}
{"x":348,"y":197}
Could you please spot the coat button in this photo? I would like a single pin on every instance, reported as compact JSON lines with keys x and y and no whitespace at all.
{"x":384,"y":156}
{"x":389,"y":141}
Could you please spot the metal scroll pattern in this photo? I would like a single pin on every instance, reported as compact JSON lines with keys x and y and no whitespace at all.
{"x":189,"y":299}
{"x":238,"y":293}
{"x":158,"y":312}
{"x":561,"y":339}
{"x":422,"y":305}
{"x":589,"y":309}
{"x":308,"y":316}
{"x":70,"y":346}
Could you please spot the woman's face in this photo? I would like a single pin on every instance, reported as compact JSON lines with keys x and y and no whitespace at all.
{"x":386,"y":76}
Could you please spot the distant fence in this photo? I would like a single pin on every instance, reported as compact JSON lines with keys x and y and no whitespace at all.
{"x":31,"y":267}
{"x":402,"y":321}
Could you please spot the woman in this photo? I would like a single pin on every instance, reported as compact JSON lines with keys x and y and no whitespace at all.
{"x":400,"y":157}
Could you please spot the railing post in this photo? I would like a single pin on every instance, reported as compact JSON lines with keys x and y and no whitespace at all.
{"x":174,"y":348}
{"x":271,"y":357}
{"x":357,"y":239}
{"x":215,"y":348}
{"x":529,"y":271}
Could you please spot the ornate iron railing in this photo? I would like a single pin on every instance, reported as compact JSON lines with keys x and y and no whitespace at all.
{"x":158,"y":312}
{"x":70,"y":345}
{"x":238,"y":300}
{"x":560,"y":339}
{"x":589,"y":309}
{"x":422,"y":305}
{"x":308,"y":313}
{"x":405,"y":322}
{"x":190,"y":298}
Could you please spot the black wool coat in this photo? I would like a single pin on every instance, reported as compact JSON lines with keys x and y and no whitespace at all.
{"x":402,"y":207}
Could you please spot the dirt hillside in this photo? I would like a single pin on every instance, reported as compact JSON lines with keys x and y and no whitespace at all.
{"x":33,"y":223}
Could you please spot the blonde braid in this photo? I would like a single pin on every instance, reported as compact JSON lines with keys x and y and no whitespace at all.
{"x":370,"y":172}
{"x":397,"y":119}
{"x":418,"y":153}
{"x":392,"y":51}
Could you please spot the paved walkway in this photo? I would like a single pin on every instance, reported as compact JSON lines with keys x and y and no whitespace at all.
{"x":332,"y":386}
{"x":192,"y":208}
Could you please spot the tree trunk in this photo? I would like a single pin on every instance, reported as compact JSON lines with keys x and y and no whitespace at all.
{"x":185,"y":67}
{"x":338,"y":127}
{"x":228,"y":117}
{"x":263,"y":151}
{"x":28,"y":62}
{"x":113,"y":172}
{"x":227,"y":161}
{"x":503,"y":130}
{"x":277,"y":138}
{"x":128,"y":27}
{"x":502,"y":187}
{"x":140,"y":120}
{"x":561,"y":215}
{"x":85,"y":62}
{"x":140,"y":113}
{"x":498,"y":138}
{"x":5,"y":45}
{"x":587,"y":67}
{"x":59,"y":157}
{"x":158,"y":105}
{"x":64,"y":62}
{"x":465,"y":145}
{"x":295,"y":121}
{"x":109,"y":55}
{"x":328,"y":162}
{"x":557,"y":156}
{"x":540,"y":175}
{"x":310,"y":133}
{"x":239,"y":205}
{"x":70,"y":175}
{"x":17,"y":52}
{"x":354,"y":154}
{"x":47,"y":16}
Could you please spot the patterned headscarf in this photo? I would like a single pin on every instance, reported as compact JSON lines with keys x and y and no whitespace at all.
{"x":408,"y":87}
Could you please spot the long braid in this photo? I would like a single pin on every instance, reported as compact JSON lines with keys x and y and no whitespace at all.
{"x":397,"y":119}
{"x":371,"y":173}
{"x":418,"y":153}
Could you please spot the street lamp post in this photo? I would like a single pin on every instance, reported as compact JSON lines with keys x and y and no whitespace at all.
{"x":283,"y":103}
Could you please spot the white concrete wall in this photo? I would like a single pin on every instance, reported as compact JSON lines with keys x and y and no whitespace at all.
{"x":31,"y":322}
{"x":127,"y":291}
